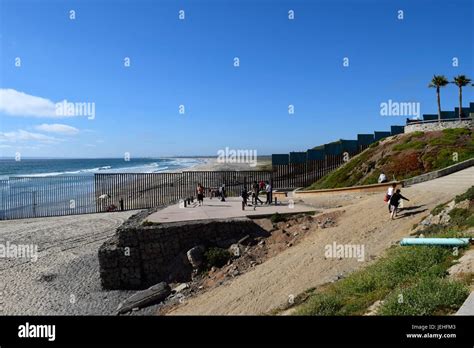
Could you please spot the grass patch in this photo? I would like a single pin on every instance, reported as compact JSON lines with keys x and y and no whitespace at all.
{"x":410,"y":145}
{"x":450,"y":136}
{"x":347,"y":175}
{"x":429,"y":296}
{"x":403,"y":266}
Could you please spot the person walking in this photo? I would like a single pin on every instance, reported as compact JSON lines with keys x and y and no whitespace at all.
{"x":255,"y":192}
{"x":389,"y":194}
{"x":200,"y":194}
{"x":268,"y":190}
{"x":394,"y":202}
{"x":222,"y":192}
{"x":245,"y":195}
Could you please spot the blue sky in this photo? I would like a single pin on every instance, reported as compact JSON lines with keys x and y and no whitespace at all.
{"x":190,"y":62}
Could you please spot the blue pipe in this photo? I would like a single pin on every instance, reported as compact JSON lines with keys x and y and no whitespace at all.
{"x":435,"y":241}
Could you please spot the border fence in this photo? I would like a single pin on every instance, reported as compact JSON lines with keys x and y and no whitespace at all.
{"x":29,"y":197}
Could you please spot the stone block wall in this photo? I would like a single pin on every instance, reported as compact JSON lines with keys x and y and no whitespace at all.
{"x":140,"y":256}
{"x":435,"y":126}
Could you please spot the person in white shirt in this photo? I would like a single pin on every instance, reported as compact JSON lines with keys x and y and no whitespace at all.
{"x":268,"y":190}
{"x":382,"y":178}
{"x":389,"y":195}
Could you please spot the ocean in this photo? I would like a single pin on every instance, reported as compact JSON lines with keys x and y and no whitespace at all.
{"x":61,"y":167}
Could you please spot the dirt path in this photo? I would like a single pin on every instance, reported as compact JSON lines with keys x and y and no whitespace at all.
{"x":365,"y":222}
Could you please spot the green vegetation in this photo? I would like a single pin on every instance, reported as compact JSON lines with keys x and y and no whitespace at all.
{"x":469,"y":194}
{"x":277,"y":218}
{"x":216,"y":257}
{"x":410,"y":280}
{"x":149,"y":223}
{"x":403,"y":267}
{"x":403,"y":157}
{"x":347,"y":175}
{"x":429,"y":296}
{"x":417,"y":145}
{"x":438,"y":209}
{"x":450,"y":136}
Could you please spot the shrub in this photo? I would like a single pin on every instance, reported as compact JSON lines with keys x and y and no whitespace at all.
{"x":469,"y":194}
{"x":276,"y":218}
{"x":216,"y":257}
{"x":149,"y":223}
{"x":459,"y":216}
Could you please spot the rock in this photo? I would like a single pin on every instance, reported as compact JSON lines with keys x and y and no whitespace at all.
{"x":196,"y":256}
{"x":234,"y":249}
{"x":373,"y":309}
{"x":144,"y":298}
{"x":288,"y":225}
{"x":295,"y":234}
{"x":463,"y":266}
{"x":304,"y":228}
{"x":261,"y":243}
{"x":181,"y":287}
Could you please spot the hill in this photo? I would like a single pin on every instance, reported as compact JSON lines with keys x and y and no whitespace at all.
{"x":403,"y":156}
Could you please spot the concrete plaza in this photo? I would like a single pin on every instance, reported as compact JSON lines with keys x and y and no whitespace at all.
{"x":215,"y":209}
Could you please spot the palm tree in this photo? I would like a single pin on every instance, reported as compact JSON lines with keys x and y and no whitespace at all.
{"x":461,"y":81}
{"x":438,"y":81}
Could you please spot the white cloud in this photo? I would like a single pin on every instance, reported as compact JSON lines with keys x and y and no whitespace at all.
{"x":57,"y":128}
{"x":24,"y":136}
{"x":17,"y":103}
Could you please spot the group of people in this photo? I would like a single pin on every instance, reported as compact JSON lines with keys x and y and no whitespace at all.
{"x":257,"y":187}
{"x":393,"y":198}
{"x":200,"y":190}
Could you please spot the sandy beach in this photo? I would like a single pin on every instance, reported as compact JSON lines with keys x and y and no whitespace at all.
{"x":64,"y":280}
{"x":212,"y":164}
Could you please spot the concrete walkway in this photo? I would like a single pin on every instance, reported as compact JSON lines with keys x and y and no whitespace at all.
{"x":468,"y":307}
{"x":215,"y":209}
{"x":456,"y":183}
